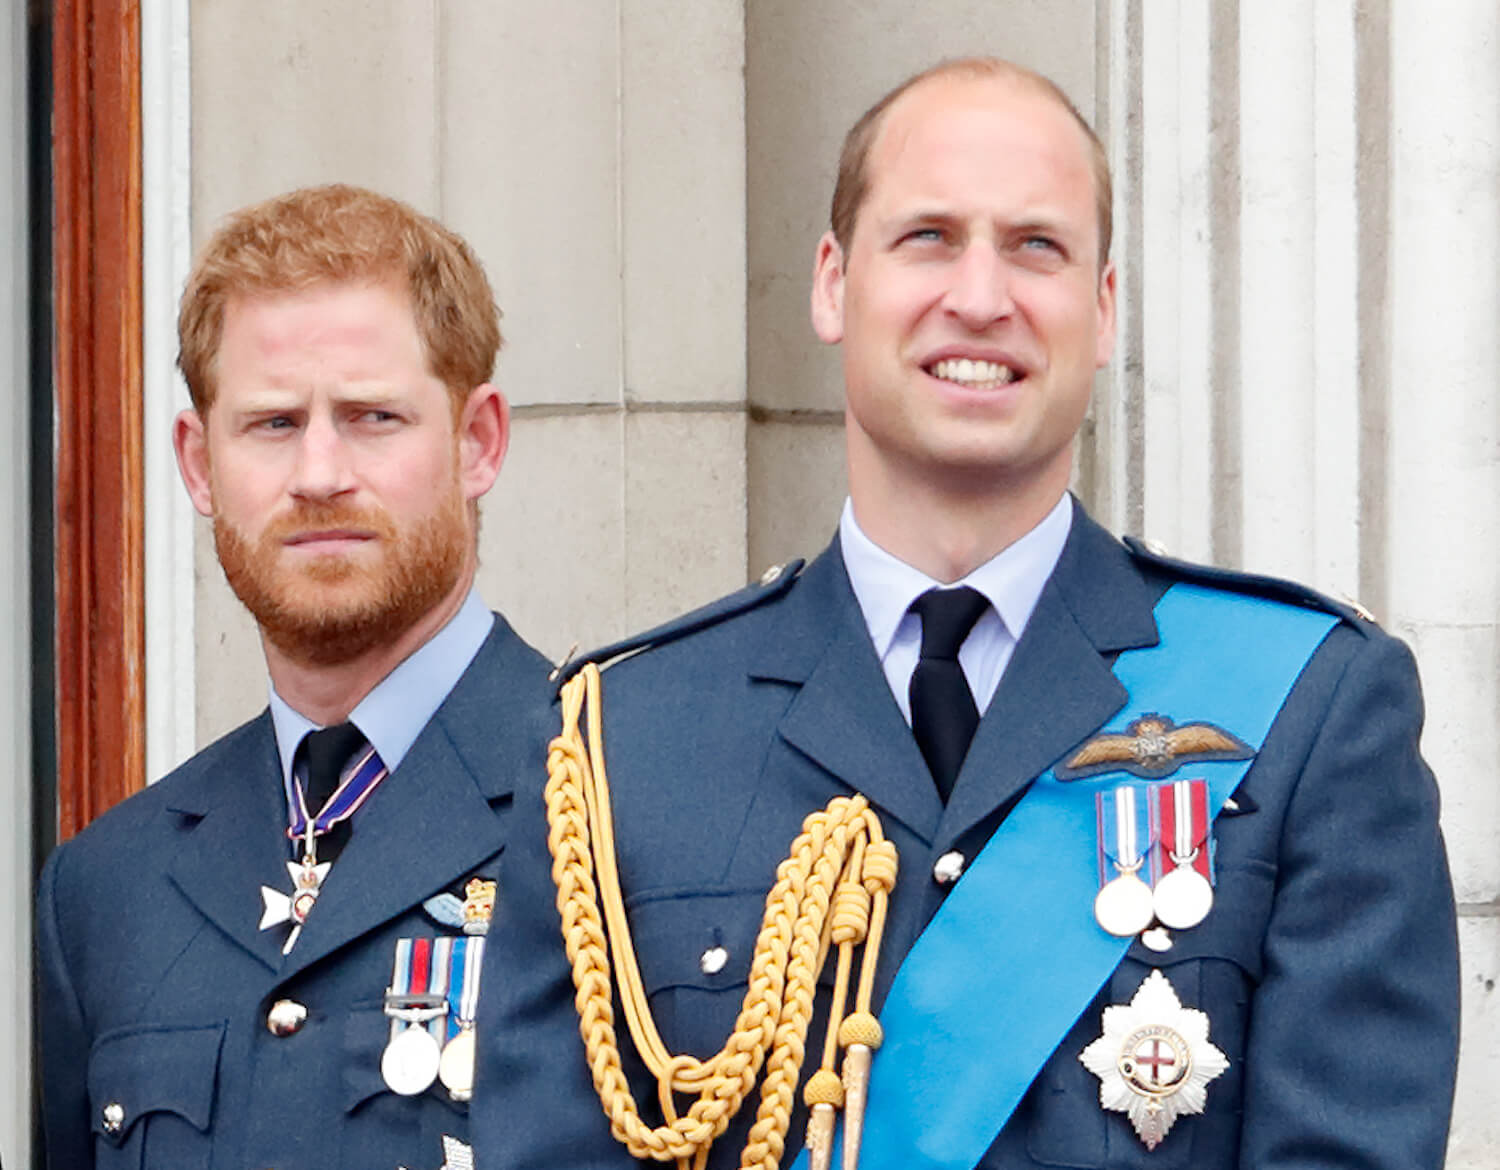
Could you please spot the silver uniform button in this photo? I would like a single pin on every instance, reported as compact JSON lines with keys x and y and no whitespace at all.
{"x":114,"y":1117}
{"x":770,"y":575}
{"x":948,"y":868}
{"x":712,"y":961}
{"x":286,"y":1017}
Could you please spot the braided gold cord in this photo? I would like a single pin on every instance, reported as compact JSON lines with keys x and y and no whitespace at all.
{"x":831,"y":890}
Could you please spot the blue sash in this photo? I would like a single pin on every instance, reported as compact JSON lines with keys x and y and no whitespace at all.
{"x":948,"y":1076}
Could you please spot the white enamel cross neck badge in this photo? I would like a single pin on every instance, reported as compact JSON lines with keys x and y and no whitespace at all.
{"x":307,"y":881}
{"x":1154,"y":1060}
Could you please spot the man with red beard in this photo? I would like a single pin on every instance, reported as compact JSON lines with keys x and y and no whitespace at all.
{"x":272,"y":957}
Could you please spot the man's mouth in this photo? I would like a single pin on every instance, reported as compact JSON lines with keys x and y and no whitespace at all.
{"x":974,"y":373}
{"x":328,"y":537}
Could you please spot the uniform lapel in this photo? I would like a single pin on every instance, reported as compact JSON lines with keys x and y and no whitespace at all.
{"x":1059,"y":687}
{"x":235,"y":840}
{"x":433,"y":819}
{"x":844,"y":717}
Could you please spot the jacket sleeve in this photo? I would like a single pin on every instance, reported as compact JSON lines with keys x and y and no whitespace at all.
{"x":1354,"y":1028}
{"x":66,"y":1123}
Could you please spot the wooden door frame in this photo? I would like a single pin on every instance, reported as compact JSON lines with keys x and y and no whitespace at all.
{"x":99,"y":561}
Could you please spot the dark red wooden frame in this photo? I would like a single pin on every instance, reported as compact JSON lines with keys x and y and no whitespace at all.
{"x":100,"y":523}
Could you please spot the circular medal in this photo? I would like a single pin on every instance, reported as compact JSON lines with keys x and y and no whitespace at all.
{"x":1183,"y":898}
{"x":410,"y":1062}
{"x":1123,"y":906}
{"x":457,"y":1067}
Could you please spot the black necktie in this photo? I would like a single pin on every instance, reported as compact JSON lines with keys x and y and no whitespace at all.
{"x":328,"y":753}
{"x":943,"y":713}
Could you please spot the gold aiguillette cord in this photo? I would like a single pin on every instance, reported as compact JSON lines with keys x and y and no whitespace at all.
{"x":833,"y":888}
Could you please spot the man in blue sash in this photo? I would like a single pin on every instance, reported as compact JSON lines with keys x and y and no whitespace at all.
{"x":271,"y":957}
{"x":1171,"y":889}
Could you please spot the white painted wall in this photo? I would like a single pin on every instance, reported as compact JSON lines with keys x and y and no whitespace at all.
{"x":15,"y":617}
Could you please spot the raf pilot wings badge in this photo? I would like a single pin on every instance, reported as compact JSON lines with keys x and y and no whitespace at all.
{"x":1151,"y":747}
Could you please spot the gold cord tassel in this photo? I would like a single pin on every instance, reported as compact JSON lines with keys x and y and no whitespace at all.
{"x":860,"y":1036}
{"x":832,"y":890}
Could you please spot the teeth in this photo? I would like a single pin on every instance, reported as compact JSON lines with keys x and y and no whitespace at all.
{"x":969,"y":372}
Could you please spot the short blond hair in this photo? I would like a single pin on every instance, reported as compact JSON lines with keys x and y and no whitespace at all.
{"x":339,"y":233}
{"x":853,"y":183}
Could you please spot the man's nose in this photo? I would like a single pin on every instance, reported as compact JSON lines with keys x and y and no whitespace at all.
{"x":323,"y":468}
{"x":980,"y":292}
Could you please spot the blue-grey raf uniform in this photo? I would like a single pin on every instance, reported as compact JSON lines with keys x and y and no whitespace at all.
{"x":1327,"y":967}
{"x":159,"y":992}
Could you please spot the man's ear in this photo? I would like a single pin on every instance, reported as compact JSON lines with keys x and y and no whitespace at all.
{"x":828,"y":291}
{"x":483,"y":437}
{"x":1104,"y":343}
{"x":190,"y":441}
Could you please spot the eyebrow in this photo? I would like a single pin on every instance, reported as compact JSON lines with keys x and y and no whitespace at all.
{"x":1053,"y":225}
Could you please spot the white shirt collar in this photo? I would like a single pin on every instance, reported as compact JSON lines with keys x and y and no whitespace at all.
{"x":1012,"y":580}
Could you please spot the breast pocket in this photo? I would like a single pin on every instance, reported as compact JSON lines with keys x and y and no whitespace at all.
{"x":152,"y":1096}
{"x":1213,"y":968}
{"x":385,"y":1128}
{"x":695,"y":950}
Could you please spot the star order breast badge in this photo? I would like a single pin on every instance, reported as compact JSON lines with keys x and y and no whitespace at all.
{"x":1154,"y":1061}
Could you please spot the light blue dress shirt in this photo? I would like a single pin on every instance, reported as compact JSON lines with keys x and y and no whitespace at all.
{"x":1012,"y":581}
{"x":393,"y":714}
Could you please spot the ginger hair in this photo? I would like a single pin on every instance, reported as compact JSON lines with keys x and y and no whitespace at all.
{"x":342,"y":234}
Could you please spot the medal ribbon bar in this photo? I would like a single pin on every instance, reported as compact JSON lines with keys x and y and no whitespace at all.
{"x":463,"y":993}
{"x":437,"y":985}
{"x":1181,"y":808}
{"x":1125,"y":836}
{"x":458,"y":971}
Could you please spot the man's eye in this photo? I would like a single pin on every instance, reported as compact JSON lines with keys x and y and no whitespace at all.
{"x":925,"y":235}
{"x":1041,"y":244}
{"x":279,"y":422}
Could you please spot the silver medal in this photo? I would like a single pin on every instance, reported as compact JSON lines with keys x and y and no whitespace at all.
{"x":457,"y":1067}
{"x":1183,"y":898}
{"x":410,"y":1062}
{"x":1123,"y":906}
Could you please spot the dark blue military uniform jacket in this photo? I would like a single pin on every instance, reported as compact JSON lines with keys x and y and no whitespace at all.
{"x":156,"y":982}
{"x":1327,"y":967}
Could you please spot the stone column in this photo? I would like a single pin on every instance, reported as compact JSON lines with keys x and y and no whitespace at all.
{"x":1441,"y":498}
{"x":1308,"y":378}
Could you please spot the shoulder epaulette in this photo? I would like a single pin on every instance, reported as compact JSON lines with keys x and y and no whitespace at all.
{"x":1274,"y":588}
{"x":772,"y":584}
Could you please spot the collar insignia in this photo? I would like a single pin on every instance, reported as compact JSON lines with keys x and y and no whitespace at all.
{"x":1154,"y":1060}
{"x":1151,"y":747}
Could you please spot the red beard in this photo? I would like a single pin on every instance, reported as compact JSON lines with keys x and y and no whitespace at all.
{"x":335,"y":608}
